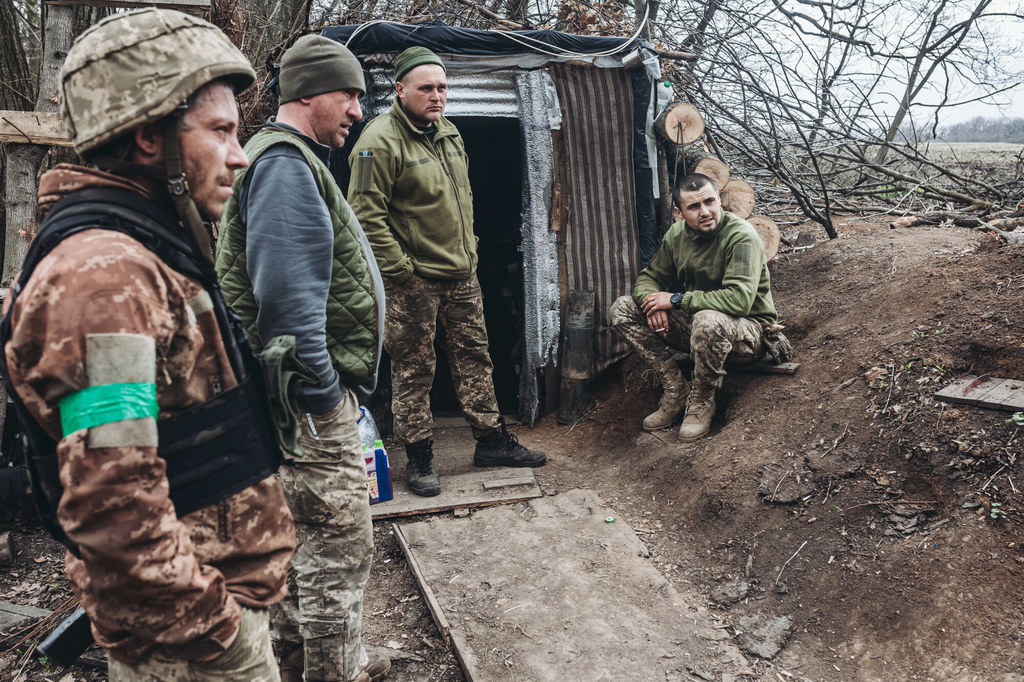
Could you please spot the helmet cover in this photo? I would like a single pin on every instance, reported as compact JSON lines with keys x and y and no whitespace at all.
{"x":137,"y":67}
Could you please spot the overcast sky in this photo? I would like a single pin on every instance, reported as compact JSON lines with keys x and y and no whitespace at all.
{"x":1012,"y":107}
{"x":1011,"y":104}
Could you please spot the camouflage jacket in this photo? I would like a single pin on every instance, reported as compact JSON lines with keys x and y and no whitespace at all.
{"x":102,"y":309}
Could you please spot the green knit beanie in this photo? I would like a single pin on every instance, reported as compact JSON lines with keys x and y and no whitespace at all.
{"x":413,"y":57}
{"x":315,"y":65}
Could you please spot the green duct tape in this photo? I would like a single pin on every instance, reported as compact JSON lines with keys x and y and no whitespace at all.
{"x":98,"y":405}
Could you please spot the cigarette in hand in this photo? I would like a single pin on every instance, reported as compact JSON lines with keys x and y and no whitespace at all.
{"x":663,"y":329}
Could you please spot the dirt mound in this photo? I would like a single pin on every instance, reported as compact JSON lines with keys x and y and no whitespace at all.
{"x":841,"y":514}
{"x":886,"y":525}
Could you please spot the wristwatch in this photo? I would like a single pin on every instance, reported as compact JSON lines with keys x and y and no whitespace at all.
{"x":676,"y":299}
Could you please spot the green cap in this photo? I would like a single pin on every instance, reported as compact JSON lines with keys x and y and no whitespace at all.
{"x":315,"y":65}
{"x":413,"y":57}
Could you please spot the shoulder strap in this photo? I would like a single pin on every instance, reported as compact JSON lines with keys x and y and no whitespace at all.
{"x":128,"y":212}
{"x":116,"y":209}
{"x":120,"y":210}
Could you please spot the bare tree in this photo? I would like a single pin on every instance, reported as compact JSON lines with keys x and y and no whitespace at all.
{"x":60,"y":25}
{"x":16,"y":91}
{"x":809,"y":97}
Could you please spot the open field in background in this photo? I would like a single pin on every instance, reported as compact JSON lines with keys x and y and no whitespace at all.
{"x":995,"y":152}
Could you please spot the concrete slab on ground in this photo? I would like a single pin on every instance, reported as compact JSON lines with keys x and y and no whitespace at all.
{"x":462,"y":484}
{"x":557,"y":588}
{"x":12,"y":615}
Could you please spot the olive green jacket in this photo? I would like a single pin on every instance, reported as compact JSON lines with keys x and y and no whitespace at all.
{"x":413,"y":199}
{"x":725,"y":271}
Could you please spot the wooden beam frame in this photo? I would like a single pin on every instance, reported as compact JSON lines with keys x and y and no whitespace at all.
{"x":190,"y":6}
{"x":33,"y":127}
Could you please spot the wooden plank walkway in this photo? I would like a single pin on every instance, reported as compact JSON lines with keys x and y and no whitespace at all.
{"x":559,"y":589}
{"x":462,"y":484}
{"x":763,"y":366}
{"x":984,"y":391}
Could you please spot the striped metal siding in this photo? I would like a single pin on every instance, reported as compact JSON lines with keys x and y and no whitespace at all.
{"x":478,"y":94}
{"x":602,"y":247}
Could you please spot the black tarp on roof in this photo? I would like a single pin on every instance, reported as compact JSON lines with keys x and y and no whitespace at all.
{"x":393,"y":37}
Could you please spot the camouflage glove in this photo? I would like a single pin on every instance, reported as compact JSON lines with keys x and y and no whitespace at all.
{"x":776,"y":344}
{"x":283,"y":372}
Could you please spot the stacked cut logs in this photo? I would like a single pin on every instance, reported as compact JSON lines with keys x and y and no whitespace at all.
{"x":682,"y":125}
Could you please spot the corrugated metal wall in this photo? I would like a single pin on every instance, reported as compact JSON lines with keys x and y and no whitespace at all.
{"x":602,"y":249}
{"x":479,"y":94}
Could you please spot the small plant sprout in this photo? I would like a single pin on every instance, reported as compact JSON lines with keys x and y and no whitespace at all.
{"x":1017,"y":419}
{"x":997,"y":511}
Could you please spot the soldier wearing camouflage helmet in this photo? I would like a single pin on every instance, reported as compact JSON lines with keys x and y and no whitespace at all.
{"x":111,"y":341}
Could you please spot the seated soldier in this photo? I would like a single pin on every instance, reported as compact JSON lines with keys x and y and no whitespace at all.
{"x":725,"y":311}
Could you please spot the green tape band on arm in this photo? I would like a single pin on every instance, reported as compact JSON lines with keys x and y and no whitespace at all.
{"x":98,"y":405}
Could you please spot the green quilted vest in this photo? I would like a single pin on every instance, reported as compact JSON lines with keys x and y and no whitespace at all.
{"x":351,"y":306}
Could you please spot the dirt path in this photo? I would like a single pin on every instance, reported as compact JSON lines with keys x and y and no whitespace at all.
{"x":845,"y":497}
{"x":797,"y":503}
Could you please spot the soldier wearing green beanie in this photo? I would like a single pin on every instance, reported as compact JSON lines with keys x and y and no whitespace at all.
{"x":315,"y":65}
{"x":413,"y":57}
{"x":410,"y":189}
{"x":293,"y":260}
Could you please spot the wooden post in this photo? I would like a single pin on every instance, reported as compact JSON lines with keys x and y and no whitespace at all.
{"x":6,"y":552}
{"x":20,"y":189}
{"x":197,"y":7}
{"x":33,"y":127}
{"x":577,"y":356}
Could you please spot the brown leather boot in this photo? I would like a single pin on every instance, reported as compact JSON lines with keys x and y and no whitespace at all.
{"x":673,"y":397}
{"x":700,"y":408}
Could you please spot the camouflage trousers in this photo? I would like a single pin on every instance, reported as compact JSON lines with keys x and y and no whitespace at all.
{"x":327,"y":493}
{"x":250,"y":657}
{"x":710,"y":337}
{"x":413,"y":312}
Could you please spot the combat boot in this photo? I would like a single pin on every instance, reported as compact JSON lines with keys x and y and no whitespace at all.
{"x":419,"y":472}
{"x":501,"y":449}
{"x":673,"y":397}
{"x":378,"y":666}
{"x":700,"y":408}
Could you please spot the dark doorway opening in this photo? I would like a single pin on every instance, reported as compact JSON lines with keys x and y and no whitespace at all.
{"x":495,"y":155}
{"x":494,"y":148}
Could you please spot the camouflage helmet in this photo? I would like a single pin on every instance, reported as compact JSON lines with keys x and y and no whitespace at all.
{"x":137,"y":67}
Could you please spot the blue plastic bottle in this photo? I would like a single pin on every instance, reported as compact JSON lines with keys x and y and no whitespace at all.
{"x":383,"y":471}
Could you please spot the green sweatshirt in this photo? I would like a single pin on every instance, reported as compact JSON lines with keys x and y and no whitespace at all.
{"x":725,"y":271}
{"x":413,"y":199}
